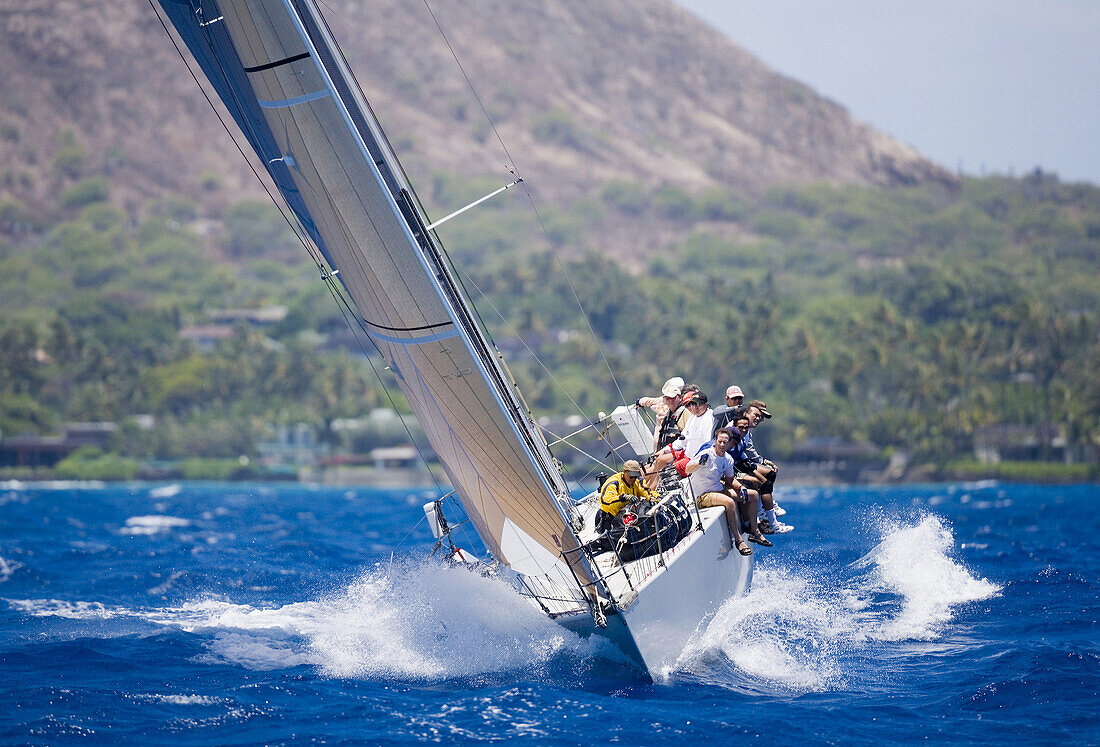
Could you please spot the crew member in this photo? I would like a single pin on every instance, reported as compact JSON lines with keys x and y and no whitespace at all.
{"x":619,"y":490}
{"x":666,"y":408}
{"x":713,"y":480}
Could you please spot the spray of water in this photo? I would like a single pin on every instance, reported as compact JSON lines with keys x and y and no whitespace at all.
{"x":417,"y":621}
{"x":799,"y":631}
{"x":913,"y":565}
{"x":796,"y":631}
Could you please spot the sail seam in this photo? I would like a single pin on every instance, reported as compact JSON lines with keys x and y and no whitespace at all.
{"x":407,"y":329}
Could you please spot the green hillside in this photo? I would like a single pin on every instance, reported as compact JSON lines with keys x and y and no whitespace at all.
{"x":908,"y":317}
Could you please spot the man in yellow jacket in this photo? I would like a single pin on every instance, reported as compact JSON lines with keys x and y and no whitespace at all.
{"x":619,"y":490}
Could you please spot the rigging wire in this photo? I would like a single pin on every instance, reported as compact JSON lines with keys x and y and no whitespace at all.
{"x":515,"y":171}
{"x":473,"y":90}
{"x":558,"y":384}
{"x":426,"y":102}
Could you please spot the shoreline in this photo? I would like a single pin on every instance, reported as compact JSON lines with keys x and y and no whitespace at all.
{"x":1036,"y":473}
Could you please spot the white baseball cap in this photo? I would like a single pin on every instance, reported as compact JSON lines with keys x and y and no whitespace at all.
{"x":673,"y":387}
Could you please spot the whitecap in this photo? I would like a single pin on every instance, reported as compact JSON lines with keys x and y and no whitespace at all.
{"x":428,"y":620}
{"x":165,"y":491}
{"x":155,"y":524}
{"x":786,"y":634}
{"x":7,"y":568}
{"x":179,"y":699}
{"x":62,"y":608}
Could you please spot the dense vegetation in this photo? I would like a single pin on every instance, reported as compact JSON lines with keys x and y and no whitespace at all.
{"x":908,"y":318}
{"x":92,"y":308}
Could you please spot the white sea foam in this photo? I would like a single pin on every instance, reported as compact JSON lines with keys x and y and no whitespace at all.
{"x":7,"y":568}
{"x":914,"y":564}
{"x":794,"y":630}
{"x":62,"y":608}
{"x":179,"y":699}
{"x":412,"y":621}
{"x":784,"y":633}
{"x":443,"y":622}
{"x":165,"y":491}
{"x":153,"y":524}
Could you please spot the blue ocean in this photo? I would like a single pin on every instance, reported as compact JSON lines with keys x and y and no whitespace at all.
{"x":255,"y":613}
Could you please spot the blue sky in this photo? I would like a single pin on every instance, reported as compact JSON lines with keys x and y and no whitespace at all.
{"x":991,"y":86}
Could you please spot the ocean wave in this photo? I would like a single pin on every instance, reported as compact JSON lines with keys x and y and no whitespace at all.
{"x":781,"y":636}
{"x":797,"y":630}
{"x":67,"y":609}
{"x":177,"y":699}
{"x":427,"y":621}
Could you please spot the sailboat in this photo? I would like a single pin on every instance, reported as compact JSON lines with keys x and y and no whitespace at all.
{"x":279,"y":72}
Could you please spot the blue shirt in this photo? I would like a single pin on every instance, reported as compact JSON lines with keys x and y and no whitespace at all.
{"x":748,"y":451}
{"x":737,"y":453}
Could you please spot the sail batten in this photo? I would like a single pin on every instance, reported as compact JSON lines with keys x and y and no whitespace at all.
{"x":273,"y":63}
{"x":295,"y":101}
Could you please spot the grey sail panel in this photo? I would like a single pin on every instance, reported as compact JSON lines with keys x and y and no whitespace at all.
{"x":336,"y":174}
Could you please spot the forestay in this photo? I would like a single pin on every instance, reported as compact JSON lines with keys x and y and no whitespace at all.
{"x":273,"y":65}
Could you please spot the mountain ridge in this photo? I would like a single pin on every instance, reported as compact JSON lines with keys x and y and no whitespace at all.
{"x":630,"y":90}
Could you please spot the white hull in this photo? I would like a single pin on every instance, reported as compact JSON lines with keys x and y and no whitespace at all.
{"x":676,"y":601}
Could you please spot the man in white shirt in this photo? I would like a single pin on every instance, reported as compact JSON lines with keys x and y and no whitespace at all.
{"x":713,"y":480}
{"x":698,"y":430}
{"x":700,"y":426}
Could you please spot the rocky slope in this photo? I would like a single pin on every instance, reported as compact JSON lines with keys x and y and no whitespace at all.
{"x":581,"y":93}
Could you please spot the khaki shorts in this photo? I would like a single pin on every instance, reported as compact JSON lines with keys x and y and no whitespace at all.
{"x":707,"y":500}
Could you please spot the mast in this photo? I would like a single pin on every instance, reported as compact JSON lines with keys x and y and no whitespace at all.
{"x":317,"y":33}
{"x":276,"y":67}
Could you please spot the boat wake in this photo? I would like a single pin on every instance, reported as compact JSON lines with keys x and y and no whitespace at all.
{"x":410,"y":621}
{"x":799,"y":631}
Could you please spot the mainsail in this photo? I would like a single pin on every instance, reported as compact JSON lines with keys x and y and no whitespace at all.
{"x":273,"y":64}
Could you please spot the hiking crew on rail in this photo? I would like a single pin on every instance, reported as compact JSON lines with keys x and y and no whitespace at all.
{"x":713,"y":449}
